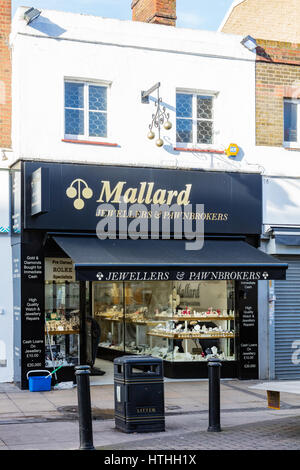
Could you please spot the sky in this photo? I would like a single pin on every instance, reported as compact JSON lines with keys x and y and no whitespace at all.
{"x":195,"y":14}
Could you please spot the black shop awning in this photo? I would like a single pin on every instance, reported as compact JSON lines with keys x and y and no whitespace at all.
{"x":154,"y":260}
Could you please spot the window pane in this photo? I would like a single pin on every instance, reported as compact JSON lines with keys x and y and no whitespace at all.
{"x":74,"y":122}
{"x":290,"y":122}
{"x":98,"y":124}
{"x":204,"y":132}
{"x":97,"y":98}
{"x":184,"y":130}
{"x":74,"y":95}
{"x":184,"y":106}
{"x":204,"y":107}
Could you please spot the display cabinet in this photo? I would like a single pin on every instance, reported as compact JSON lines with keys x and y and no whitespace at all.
{"x":62,"y":324}
{"x":176,"y":321}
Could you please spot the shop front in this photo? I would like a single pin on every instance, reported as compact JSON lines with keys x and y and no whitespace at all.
{"x":80,"y":295}
{"x":284,"y":243}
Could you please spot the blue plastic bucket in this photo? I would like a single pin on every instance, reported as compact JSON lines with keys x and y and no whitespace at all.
{"x":39,"y":383}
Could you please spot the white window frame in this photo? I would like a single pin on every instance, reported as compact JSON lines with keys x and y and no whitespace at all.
{"x":292,"y":144}
{"x":86,"y":83}
{"x":194,"y":118}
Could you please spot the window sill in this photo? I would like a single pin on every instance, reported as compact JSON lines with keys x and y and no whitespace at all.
{"x":291,"y":148}
{"x":89,"y":142}
{"x":208,"y":150}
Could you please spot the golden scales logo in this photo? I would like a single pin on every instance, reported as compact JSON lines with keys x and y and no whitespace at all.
{"x":79,"y":189}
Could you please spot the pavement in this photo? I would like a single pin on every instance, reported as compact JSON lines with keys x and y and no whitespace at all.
{"x":49,"y":420}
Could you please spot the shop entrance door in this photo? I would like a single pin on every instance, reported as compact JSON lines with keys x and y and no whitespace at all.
{"x":91,"y":331}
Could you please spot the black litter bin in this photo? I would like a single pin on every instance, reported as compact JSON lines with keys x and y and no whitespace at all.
{"x":139,"y":394}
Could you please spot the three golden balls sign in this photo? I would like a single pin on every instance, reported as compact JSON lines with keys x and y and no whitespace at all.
{"x":79,"y":190}
{"x":232,"y":150}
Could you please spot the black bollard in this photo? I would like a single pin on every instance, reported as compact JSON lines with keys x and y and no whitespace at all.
{"x":214,"y":373}
{"x":84,"y":407}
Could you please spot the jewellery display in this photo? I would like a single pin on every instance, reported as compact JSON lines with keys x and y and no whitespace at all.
{"x":177,"y":321}
{"x":62,"y":324}
{"x":194,"y":314}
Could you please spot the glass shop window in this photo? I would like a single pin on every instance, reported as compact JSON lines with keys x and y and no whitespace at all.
{"x":108,"y":312}
{"x":62,"y":323}
{"x":177,"y":321}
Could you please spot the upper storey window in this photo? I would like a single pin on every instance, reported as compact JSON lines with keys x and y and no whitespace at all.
{"x":85,"y":110}
{"x":194,"y":118}
{"x":292,"y":122}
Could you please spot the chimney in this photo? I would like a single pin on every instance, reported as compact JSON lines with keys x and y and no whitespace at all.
{"x":5,"y":74}
{"x":154,"y":11}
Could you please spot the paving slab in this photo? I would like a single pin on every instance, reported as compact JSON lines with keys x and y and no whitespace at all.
{"x":240,"y":430}
{"x":49,"y":420}
{"x":279,"y":434}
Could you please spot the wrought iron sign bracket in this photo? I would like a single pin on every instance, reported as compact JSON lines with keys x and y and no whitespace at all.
{"x":159,"y":118}
{"x":145,"y":94}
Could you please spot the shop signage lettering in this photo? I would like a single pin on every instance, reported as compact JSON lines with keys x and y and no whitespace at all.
{"x":33,"y":350}
{"x":179,"y":275}
{"x":59,"y":269}
{"x":227,"y":276}
{"x":248,"y":317}
{"x":164,"y":212}
{"x":32,"y":267}
{"x":143,"y":194}
{"x":32,"y":309}
{"x":248,"y":330}
{"x":249,"y":355}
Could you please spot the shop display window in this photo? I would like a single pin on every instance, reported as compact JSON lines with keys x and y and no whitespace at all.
{"x":177,"y":321}
{"x":62,"y":323}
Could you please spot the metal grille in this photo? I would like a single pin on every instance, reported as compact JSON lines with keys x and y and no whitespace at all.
{"x":85,"y":110}
{"x":97,"y":111}
{"x":287,"y":322}
{"x":194,"y":118}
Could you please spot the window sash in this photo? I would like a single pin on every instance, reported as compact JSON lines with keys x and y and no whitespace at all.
{"x":86,"y":112}
{"x":288,"y":131}
{"x":195,"y":120}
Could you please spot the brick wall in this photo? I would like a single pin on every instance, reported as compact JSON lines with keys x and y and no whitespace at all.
{"x":5,"y":74}
{"x":277,"y":20}
{"x":154,"y":11}
{"x":277,"y":77}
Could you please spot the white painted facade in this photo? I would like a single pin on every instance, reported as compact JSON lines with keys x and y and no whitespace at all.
{"x":131,"y":57}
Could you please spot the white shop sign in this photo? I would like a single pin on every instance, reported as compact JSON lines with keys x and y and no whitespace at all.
{"x":59,"y":269}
